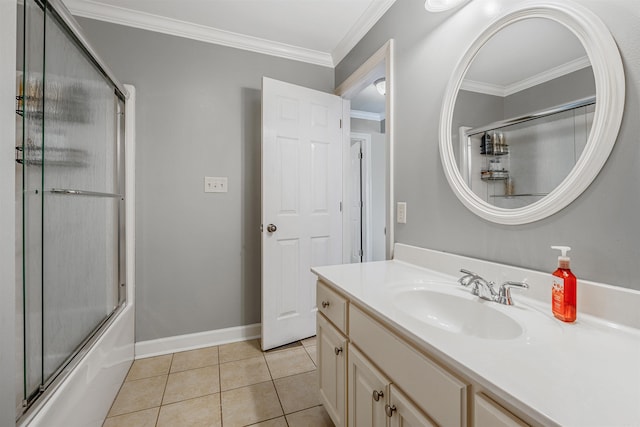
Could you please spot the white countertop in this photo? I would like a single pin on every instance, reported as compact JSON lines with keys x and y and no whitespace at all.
{"x":582,"y":374}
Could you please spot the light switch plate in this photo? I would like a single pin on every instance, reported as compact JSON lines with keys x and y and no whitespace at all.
{"x":215,"y":184}
{"x":401,"y":212}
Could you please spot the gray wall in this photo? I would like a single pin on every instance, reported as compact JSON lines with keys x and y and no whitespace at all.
{"x":198,"y":114}
{"x":601,"y":225}
{"x":7,"y":213}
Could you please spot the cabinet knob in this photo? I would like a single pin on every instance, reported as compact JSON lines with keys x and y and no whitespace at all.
{"x":325,"y":304}
{"x":377,"y":395}
{"x":389,"y":410}
{"x":337,"y":350}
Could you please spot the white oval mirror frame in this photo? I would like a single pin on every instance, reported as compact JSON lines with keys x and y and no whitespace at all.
{"x":610,"y":94}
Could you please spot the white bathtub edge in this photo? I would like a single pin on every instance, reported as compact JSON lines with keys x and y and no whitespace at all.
{"x":85,"y":396}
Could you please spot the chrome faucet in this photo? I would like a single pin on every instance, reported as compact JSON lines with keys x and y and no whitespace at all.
{"x":485,"y":289}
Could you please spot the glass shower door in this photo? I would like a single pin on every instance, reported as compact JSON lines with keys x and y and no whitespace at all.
{"x":72,"y":190}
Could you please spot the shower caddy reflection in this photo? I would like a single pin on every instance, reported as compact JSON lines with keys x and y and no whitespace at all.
{"x":497,"y":159}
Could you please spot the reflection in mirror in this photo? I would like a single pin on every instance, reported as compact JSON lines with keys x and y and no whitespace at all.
{"x":523,"y":113}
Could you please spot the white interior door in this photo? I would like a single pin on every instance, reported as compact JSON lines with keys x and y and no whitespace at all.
{"x":301,"y":204}
{"x":355,"y":200}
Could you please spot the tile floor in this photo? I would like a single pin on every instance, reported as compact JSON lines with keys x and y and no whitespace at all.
{"x":228,"y":385}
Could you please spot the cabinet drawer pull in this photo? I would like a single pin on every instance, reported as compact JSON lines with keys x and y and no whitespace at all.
{"x":337,"y":350}
{"x":325,"y":304}
{"x":389,"y":410}
{"x":377,"y":395}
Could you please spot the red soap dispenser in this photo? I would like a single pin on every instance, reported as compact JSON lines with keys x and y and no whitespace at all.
{"x":563,"y":293}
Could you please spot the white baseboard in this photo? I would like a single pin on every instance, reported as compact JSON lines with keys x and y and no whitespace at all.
{"x":198,"y":340}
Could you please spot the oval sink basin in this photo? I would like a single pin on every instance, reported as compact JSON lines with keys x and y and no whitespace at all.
{"x":457,"y":314}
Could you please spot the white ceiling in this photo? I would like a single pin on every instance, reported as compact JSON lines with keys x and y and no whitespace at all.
{"x":316,"y":31}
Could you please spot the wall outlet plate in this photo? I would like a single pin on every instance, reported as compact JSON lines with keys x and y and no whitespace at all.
{"x":401,"y":212}
{"x":215,"y":184}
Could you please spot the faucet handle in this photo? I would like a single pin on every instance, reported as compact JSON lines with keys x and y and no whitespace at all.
{"x":468,"y":278}
{"x":504,"y":295}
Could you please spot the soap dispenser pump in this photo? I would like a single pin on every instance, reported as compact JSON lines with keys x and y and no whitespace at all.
{"x":563,"y":292}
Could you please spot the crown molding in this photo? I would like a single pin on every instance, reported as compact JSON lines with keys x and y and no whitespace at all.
{"x":150,"y":22}
{"x":366,"y":115}
{"x":360,"y":29}
{"x":545,"y":76}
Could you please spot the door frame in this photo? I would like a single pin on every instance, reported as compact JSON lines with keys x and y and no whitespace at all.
{"x":352,"y":85}
{"x":365,"y":138}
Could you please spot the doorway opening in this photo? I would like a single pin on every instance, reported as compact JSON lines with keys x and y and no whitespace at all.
{"x":368,"y":159}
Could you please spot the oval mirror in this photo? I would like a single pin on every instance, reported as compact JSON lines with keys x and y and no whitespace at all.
{"x":532,"y":112}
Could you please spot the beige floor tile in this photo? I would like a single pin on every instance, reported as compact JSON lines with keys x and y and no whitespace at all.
{"x":311,"y":350}
{"x":145,"y":418}
{"x":316,"y":417}
{"x":289,"y":362}
{"x":311,"y":341}
{"x":239,"y":350}
{"x":139,"y":394}
{"x":241,"y":373}
{"x":199,"y":412}
{"x":289,"y":346}
{"x":194,"y":359}
{"x":192,"y":383}
{"x":298,"y":392}
{"x":252,"y":404}
{"x":149,"y":367}
{"x":276,"y":422}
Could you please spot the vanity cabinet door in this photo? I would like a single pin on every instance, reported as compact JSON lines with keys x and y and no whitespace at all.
{"x":368,"y":391}
{"x":403,"y":413}
{"x":487,"y":413}
{"x":332,"y":369}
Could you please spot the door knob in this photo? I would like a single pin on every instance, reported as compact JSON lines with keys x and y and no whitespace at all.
{"x":271,"y":228}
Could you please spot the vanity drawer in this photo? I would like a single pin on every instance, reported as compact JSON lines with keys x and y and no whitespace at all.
{"x":438,"y":393}
{"x":332,"y":305}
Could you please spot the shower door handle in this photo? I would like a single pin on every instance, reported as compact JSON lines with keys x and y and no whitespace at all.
{"x":271,"y":228}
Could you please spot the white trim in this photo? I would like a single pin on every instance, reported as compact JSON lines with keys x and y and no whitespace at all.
{"x":545,"y":76}
{"x":363,"y":76}
{"x":610,"y":91}
{"x":346,"y":156}
{"x":366,"y":115}
{"x":198,"y":340}
{"x":150,"y":22}
{"x":130,"y":190}
{"x":360,"y":29}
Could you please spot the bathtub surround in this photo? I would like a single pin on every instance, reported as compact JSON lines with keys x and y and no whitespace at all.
{"x":601,"y":225}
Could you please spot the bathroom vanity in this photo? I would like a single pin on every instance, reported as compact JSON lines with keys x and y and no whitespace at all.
{"x":401,"y":342}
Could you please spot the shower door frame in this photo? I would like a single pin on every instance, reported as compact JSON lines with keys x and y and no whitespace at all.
{"x":35,"y":400}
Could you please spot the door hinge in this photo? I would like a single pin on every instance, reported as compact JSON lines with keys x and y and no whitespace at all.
{"x":360,"y":155}
{"x":19,"y":155}
{"x":340,"y":123}
{"x":340,"y":206}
